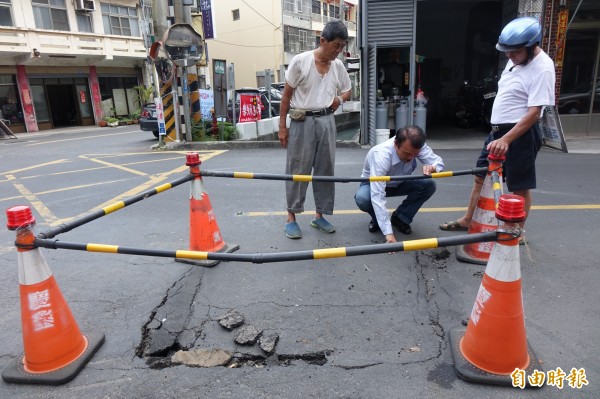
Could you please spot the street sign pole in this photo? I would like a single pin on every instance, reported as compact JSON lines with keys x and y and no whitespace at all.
{"x":186,"y":102}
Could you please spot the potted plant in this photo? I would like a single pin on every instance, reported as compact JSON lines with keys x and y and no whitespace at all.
{"x":135,"y":117}
{"x":112,"y":122}
{"x":145,"y":93}
{"x":102,"y":123}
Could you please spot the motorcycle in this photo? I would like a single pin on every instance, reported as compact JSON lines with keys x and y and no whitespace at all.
{"x":475,"y":104}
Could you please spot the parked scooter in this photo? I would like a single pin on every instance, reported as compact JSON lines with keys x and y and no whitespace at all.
{"x":475,"y":103}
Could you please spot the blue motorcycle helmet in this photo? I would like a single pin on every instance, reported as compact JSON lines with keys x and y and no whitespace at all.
{"x":519,"y":33}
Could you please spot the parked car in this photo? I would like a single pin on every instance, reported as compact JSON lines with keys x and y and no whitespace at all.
{"x":264,"y":99}
{"x":577,"y":100}
{"x":279,"y":86}
{"x":148,"y":121}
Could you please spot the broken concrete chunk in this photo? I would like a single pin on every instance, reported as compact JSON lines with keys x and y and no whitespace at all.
{"x":202,"y":358}
{"x":231,"y":320}
{"x":247,"y":335}
{"x":268,"y":342}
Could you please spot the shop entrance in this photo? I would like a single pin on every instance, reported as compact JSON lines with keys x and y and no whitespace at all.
{"x":61,"y":102}
{"x":63,"y":109}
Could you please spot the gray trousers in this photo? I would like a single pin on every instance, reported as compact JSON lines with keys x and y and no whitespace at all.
{"x":311,"y":148}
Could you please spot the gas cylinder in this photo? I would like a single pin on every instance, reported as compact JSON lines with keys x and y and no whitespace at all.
{"x":402,"y":114}
{"x":421,"y":114}
{"x":381,"y":115}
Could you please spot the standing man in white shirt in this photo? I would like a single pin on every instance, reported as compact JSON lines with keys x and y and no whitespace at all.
{"x":316,"y":85}
{"x":397,"y":157}
{"x":525,"y":87}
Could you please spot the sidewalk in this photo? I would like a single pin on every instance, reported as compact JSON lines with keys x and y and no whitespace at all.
{"x":442,"y":138}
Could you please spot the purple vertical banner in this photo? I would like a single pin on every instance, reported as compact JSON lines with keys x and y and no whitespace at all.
{"x":207,"y":19}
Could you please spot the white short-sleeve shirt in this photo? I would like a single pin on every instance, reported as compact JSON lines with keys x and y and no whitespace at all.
{"x":525,"y":86}
{"x":312,"y":90}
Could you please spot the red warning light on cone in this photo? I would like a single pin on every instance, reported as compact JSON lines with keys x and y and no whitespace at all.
{"x":19,"y":216}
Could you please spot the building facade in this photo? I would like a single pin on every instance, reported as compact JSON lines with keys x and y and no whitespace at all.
{"x":445,"y":47}
{"x":70,"y":62}
{"x":256,"y":36}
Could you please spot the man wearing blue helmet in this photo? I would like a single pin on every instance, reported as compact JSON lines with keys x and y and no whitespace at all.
{"x":526,"y":86}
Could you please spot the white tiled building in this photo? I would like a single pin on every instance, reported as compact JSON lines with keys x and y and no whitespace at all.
{"x":70,"y":62}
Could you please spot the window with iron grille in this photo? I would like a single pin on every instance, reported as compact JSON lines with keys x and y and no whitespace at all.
{"x":295,"y":40}
{"x":302,"y":40}
{"x":289,"y":6}
{"x":316,"y":7}
{"x":297,"y":8}
{"x":50,"y":14}
{"x":5,"y":13}
{"x":120,"y":20}
{"x":235,"y":14}
{"x":334,"y":11}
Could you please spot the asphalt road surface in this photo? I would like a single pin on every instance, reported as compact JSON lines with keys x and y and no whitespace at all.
{"x":373,"y":326}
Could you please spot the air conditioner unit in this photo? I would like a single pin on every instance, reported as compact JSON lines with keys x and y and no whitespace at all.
{"x":85,"y":5}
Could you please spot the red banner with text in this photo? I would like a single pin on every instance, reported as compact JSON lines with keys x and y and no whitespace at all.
{"x":250,"y":107}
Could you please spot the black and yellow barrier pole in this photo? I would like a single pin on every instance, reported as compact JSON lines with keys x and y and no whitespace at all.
{"x":340,"y":252}
{"x":496,"y":186}
{"x":337,"y":179}
{"x":64,"y":227}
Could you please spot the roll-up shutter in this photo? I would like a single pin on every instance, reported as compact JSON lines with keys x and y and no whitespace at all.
{"x":372,"y":87}
{"x":390,"y":22}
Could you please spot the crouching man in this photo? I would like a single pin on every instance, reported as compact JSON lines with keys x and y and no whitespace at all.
{"x":397,"y":157}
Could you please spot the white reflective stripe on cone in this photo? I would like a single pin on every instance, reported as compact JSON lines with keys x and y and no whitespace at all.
{"x":504,"y":263}
{"x":483,"y":216}
{"x":33,"y":268}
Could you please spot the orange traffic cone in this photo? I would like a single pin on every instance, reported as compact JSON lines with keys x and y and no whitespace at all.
{"x":204,"y":230}
{"x":484,"y":218}
{"x":55,"y":348}
{"x":494,"y":343}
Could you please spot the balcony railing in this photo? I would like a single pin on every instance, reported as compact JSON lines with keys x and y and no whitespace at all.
{"x":324,"y":19}
{"x":16,"y":42}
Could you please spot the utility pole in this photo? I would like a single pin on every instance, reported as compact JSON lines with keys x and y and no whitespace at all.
{"x":183,"y":15}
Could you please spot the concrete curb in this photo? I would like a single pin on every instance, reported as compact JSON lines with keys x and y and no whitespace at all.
{"x":237,"y":144}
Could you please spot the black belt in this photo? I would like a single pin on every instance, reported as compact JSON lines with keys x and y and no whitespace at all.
{"x":502,"y":126}
{"x":319,"y":112}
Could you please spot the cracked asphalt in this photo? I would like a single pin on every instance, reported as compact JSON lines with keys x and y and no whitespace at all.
{"x":355,"y":327}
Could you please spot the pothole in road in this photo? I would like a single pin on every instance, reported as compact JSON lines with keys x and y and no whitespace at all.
{"x":168,"y":340}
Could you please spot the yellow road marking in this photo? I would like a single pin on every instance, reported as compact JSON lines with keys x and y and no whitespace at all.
{"x":80,"y":138}
{"x":564,"y":207}
{"x":116,"y":166}
{"x":155,"y":180}
{"x":119,"y":154}
{"x":431,"y":210}
{"x":41,"y":165}
{"x":64,"y":189}
{"x":106,"y":167}
{"x":39,"y":206}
